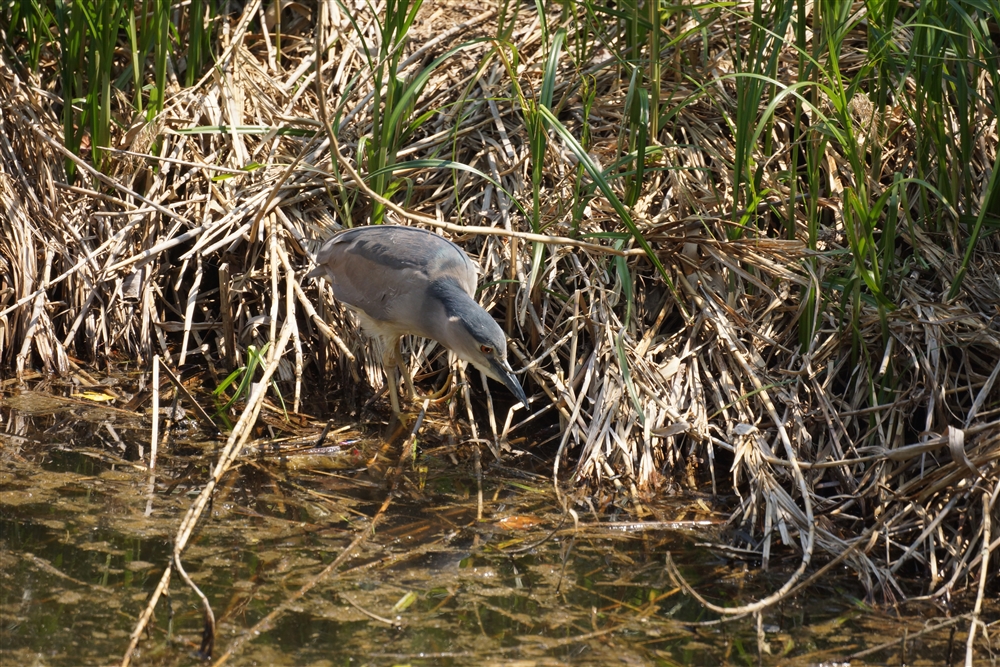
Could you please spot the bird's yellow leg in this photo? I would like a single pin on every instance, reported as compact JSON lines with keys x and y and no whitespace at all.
{"x":407,"y":380}
{"x":446,"y":391}
{"x":389,"y":356}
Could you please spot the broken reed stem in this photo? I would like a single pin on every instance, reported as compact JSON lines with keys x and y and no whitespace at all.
{"x":989,"y":500}
{"x":155,"y":428}
{"x":241,"y":432}
{"x":266,"y":623}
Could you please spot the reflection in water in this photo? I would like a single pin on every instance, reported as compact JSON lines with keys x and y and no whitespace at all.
{"x":432,"y":585}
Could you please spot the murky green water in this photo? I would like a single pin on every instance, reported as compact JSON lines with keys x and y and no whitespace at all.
{"x":84,"y":542}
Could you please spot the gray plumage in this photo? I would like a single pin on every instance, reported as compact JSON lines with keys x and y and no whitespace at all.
{"x":405,"y":280}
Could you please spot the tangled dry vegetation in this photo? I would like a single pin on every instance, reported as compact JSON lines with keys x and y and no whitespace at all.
{"x":874,"y":440}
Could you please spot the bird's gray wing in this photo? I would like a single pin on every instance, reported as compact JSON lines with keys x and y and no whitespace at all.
{"x":385,"y":270}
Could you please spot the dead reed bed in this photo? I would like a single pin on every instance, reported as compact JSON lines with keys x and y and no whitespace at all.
{"x":822,"y":345}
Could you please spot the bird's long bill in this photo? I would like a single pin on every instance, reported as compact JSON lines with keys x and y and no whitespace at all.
{"x":503,"y":373}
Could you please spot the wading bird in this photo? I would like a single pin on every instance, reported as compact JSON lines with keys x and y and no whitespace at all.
{"x":405,"y":280}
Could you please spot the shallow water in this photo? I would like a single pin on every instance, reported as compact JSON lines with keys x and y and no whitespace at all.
{"x":85,"y":541}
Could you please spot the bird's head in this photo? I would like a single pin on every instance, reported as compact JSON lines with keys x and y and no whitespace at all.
{"x":475,"y":337}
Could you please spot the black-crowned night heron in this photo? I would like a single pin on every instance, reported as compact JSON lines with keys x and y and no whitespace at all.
{"x":404,"y":280}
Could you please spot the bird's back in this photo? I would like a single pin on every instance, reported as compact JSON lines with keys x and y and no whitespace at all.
{"x":385,"y":271}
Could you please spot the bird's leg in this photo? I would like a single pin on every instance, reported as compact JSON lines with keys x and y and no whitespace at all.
{"x":390,"y":353}
{"x":449,"y":387}
{"x":446,"y":391}
{"x":407,"y":380}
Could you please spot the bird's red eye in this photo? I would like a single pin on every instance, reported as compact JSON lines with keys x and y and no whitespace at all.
{"x":486,"y":349}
